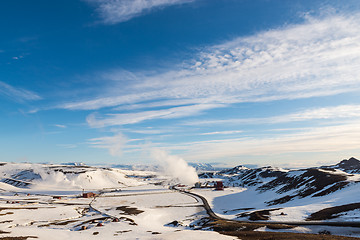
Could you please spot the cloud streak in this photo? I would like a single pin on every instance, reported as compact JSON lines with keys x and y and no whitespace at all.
{"x":222,"y":133}
{"x":17,"y":94}
{"x":131,"y":118}
{"x":324,"y":113}
{"x":323,"y":139}
{"x":116,"y":11}
{"x":60,"y":126}
{"x":318,"y":58}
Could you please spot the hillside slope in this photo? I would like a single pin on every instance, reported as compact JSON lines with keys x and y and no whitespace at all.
{"x":278,"y":194}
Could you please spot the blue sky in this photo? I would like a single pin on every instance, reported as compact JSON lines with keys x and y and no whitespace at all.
{"x":223,"y":81}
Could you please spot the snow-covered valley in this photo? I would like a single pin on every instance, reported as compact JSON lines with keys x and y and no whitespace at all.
{"x":82,"y":202}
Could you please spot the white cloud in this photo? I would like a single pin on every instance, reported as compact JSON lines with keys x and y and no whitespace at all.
{"x":116,"y":11}
{"x":323,"y":139}
{"x":222,"y":132}
{"x":114,"y":144}
{"x":318,"y":58}
{"x":132,"y":118}
{"x":150,"y":131}
{"x":60,"y":125}
{"x":17,"y":58}
{"x":333,"y":112}
{"x":17,"y":94}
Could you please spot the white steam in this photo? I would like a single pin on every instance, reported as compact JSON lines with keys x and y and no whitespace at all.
{"x":175,"y":167}
{"x":92,"y":178}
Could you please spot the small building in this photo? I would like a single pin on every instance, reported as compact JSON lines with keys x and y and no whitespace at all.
{"x":219,"y":185}
{"x":89,"y":195}
{"x":56,"y":197}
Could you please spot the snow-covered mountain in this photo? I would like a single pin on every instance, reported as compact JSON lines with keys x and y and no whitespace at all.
{"x":280,"y":188}
{"x":350,"y":166}
{"x":201,"y":167}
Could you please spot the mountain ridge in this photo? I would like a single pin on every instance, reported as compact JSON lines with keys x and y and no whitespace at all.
{"x":288,"y":185}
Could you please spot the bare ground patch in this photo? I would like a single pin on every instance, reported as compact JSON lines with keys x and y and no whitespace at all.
{"x":231,"y":226}
{"x":255,"y":235}
{"x":129,"y":220}
{"x":258,"y":215}
{"x":126,"y":210}
{"x":238,"y":209}
{"x":6,"y":221}
{"x":59,"y":223}
{"x":22,"y":208}
{"x":332,"y":212}
{"x":93,"y":220}
{"x":245,"y":231}
{"x":17,"y":238}
{"x":8,"y":213}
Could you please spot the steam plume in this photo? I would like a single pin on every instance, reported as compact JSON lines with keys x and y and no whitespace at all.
{"x":176,"y":167}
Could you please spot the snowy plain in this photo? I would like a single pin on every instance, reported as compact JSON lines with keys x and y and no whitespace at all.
{"x":44,"y":201}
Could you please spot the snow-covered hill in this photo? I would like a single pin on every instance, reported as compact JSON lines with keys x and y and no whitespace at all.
{"x":64,"y":177}
{"x":350,"y":166}
{"x":283,"y":191}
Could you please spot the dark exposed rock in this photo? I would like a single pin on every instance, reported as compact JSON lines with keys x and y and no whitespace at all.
{"x":206,"y":175}
{"x":234,"y":170}
{"x":351,"y":166}
{"x":258,"y":215}
{"x":332,"y":212}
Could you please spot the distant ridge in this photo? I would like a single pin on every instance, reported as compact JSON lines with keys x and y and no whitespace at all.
{"x":352,"y":165}
{"x":288,"y":185}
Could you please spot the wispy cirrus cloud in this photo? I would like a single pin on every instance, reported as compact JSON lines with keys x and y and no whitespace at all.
{"x":17,"y":94}
{"x":60,"y":126}
{"x":116,"y":11}
{"x":222,"y":132}
{"x":132,"y":118}
{"x":334,"y":138}
{"x":320,"y":113}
